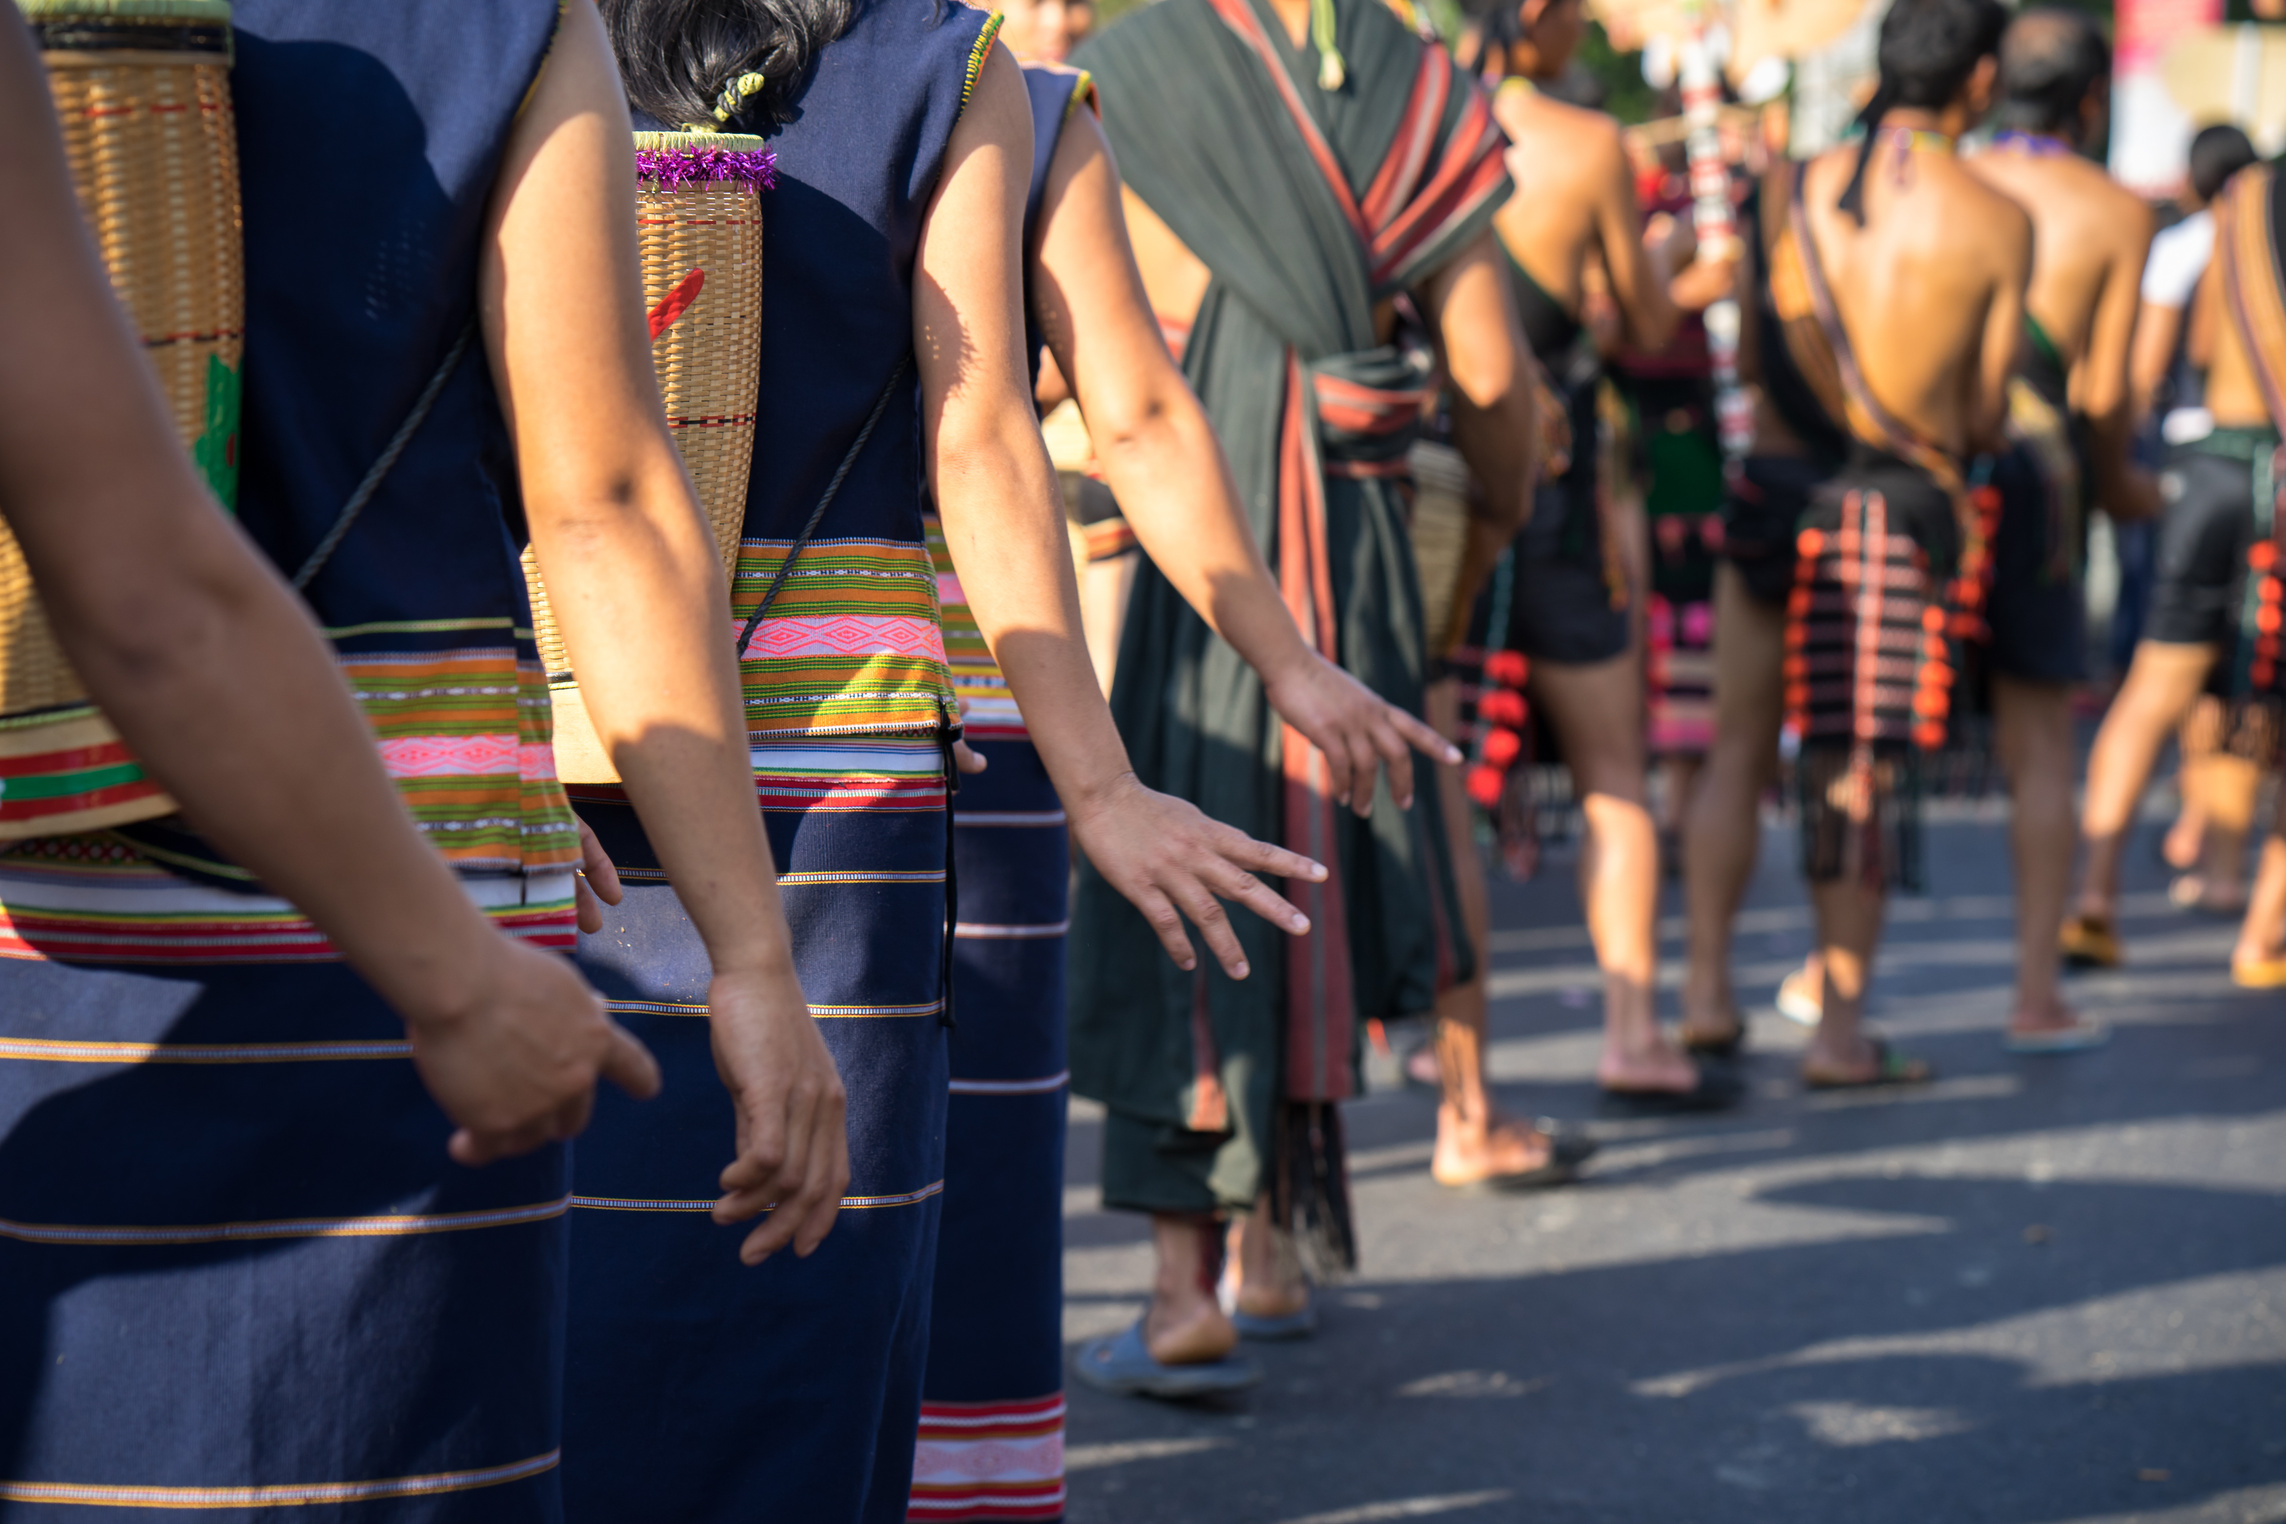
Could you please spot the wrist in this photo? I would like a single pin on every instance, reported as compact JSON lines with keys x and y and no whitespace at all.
{"x":1084,"y":804}
{"x":453,"y":977}
{"x":1290,"y":662}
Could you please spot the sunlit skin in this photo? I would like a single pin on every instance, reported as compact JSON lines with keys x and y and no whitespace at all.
{"x":1160,"y":457}
{"x":2090,"y":238}
{"x":1469,"y":309}
{"x":2217,"y":854}
{"x":1931,"y":291}
{"x":2165,"y":680}
{"x":1578,"y":212}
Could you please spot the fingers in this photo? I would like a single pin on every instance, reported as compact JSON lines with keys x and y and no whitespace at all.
{"x":1262,"y":857}
{"x":1364,"y":769}
{"x":1213,"y":922}
{"x":1340,"y":766}
{"x":833,"y":1161}
{"x":969,"y":761}
{"x":590,"y":911}
{"x":1421,"y":734}
{"x":1168,"y":923}
{"x":628,"y":1064}
{"x":602,"y":874}
{"x":477,"y":1147}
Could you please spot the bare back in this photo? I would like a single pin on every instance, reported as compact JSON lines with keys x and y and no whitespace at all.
{"x":2234,"y":394}
{"x":1578,"y":201}
{"x":2090,"y":239}
{"x":1929,"y":290}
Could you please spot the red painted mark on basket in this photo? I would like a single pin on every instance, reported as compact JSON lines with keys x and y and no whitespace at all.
{"x":677,"y":303}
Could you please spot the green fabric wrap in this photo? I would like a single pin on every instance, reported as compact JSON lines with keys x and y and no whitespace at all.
{"x":1202,"y":135}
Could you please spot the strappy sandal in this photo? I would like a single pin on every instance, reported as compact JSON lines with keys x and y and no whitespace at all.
{"x":1122,"y":1364}
{"x":1890,"y":1067}
{"x":1717,"y":1090}
{"x":1718,"y":1047}
{"x":1568,"y":1149}
{"x":2088,"y":941}
{"x":2258,"y":973}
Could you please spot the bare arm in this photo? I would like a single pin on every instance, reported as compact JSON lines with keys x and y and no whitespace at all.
{"x":1987,"y":415}
{"x":217,"y":677}
{"x":1172,"y":480}
{"x":2157,"y":331}
{"x":1496,"y":425}
{"x":996,"y":495}
{"x":1639,"y":279}
{"x":633,"y":574}
{"x":2107,"y":393}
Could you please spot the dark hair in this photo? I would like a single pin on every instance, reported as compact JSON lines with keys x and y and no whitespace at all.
{"x":1492,"y":21}
{"x":2217,"y":153}
{"x":2049,"y":61}
{"x":677,"y":57}
{"x":1929,"y":48}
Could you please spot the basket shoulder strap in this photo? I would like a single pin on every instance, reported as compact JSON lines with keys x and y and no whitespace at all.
{"x":825,"y":501}
{"x":426,"y":405}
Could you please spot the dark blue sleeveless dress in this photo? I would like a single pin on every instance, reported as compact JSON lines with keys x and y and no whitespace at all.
{"x":240,"y":1272}
{"x":992,"y":1422}
{"x":701,"y":1389}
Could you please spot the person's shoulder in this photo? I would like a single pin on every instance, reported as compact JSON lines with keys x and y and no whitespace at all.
{"x":2116,"y":211}
{"x":1570,"y":136}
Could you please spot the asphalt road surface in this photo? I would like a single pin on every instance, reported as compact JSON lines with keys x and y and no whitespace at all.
{"x":2036,"y":1290}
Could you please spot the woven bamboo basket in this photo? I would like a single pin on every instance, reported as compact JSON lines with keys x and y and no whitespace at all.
{"x":699,"y":217}
{"x":142,"y":92}
{"x":1440,"y":540}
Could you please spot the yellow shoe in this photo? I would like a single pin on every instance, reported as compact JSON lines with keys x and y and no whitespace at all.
{"x":2258,"y":973}
{"x":2089,"y":942}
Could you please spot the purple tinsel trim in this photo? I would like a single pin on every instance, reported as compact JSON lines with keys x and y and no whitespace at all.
{"x":672,"y":169}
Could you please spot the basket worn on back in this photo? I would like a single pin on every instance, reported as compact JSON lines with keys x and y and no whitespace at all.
{"x":699,"y":220}
{"x":142,"y":93}
{"x":1440,"y":539}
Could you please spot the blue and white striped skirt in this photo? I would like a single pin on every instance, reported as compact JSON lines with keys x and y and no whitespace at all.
{"x":699,"y":1388}
{"x":992,"y":1424}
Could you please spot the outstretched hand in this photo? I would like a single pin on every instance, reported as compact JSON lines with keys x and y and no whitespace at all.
{"x":1172,"y":862}
{"x":515,"y":1067}
{"x":793,"y":1133}
{"x":1358,"y":731}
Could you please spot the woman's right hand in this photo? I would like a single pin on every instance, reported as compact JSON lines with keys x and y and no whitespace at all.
{"x":1173,"y":862}
{"x":515,"y":1065}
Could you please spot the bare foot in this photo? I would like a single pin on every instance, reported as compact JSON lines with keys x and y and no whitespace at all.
{"x":1657,"y":1067}
{"x":2051,"y":1015}
{"x":1711,"y":1024}
{"x":1188,"y":1333}
{"x":1263,"y":1273}
{"x":1470,"y":1153}
{"x":1862,"y":1061}
{"x":2185,"y":840}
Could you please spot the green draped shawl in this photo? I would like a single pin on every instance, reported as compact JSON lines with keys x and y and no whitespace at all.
{"x":1219,"y":126}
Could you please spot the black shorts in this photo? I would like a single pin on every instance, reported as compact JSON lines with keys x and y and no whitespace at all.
{"x":1567,"y":604}
{"x":2037,"y":611}
{"x":2203,"y":541}
{"x":1761,"y":517}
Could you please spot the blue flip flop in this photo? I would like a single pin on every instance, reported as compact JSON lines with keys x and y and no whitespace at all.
{"x":1294,"y":1325}
{"x":1122,"y":1364}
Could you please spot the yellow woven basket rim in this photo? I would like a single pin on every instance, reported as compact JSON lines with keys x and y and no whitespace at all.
{"x":217,"y":11}
{"x":728,"y":142}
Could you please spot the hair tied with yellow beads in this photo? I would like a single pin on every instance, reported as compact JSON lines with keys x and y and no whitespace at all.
{"x":733,"y":100}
